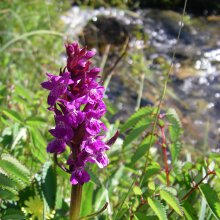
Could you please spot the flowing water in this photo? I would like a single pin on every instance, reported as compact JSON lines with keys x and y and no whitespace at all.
{"x":194,"y":88}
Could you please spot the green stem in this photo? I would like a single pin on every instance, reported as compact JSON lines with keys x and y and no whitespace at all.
{"x":75,"y":203}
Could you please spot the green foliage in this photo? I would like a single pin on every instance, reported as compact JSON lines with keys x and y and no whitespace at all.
{"x":212,"y":199}
{"x":87,"y":199}
{"x":158,"y":208}
{"x":30,"y":182}
{"x":38,"y":148}
{"x":13,"y":115}
{"x":175,"y":130}
{"x":151,"y":170}
{"x":13,"y":214}
{"x":49,"y":184}
{"x":138,"y":129}
{"x":137,"y":190}
{"x":143,"y":148}
{"x":14,"y":168}
{"x":138,"y":123}
{"x":137,"y":116}
{"x":189,"y":211}
{"x":175,"y":149}
{"x":175,"y":124}
{"x":171,"y":200}
{"x":14,"y":176}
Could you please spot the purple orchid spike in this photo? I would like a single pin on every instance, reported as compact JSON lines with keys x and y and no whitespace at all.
{"x":76,"y":99}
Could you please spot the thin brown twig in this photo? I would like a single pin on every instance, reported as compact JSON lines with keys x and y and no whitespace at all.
{"x":194,"y":188}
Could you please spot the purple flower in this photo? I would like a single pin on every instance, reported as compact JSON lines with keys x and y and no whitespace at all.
{"x":94,"y":126}
{"x":57,"y":86}
{"x":102,"y":160}
{"x":76,"y":99}
{"x":97,"y":110}
{"x":62,"y":130}
{"x":79,"y":176}
{"x":94,"y":145}
{"x":56,"y":146}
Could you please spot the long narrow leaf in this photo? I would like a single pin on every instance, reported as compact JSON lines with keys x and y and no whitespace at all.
{"x":142,"y":148}
{"x":15,"y":116}
{"x":189,"y":211}
{"x":135,"y":118}
{"x":13,"y":167}
{"x":124,"y":199}
{"x":172,"y":201}
{"x":158,"y":208}
{"x":212,"y":199}
{"x":137,"y":130}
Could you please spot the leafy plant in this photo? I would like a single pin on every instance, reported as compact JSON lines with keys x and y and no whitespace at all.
{"x":151,"y":175}
{"x":14,"y":177}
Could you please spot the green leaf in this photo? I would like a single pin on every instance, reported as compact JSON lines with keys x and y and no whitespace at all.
{"x":161,"y":123}
{"x":15,"y":116}
{"x":137,"y":190}
{"x":143,"y":148}
{"x":13,"y":214}
{"x":94,"y":178}
{"x":175,"y":127}
{"x":35,"y":120}
{"x":158,"y":208}
{"x":217,"y":170}
{"x":49,"y":184}
{"x":87,"y":199}
{"x":124,"y":199}
{"x":14,"y":168}
{"x":13,"y":177}
{"x":212,"y":199}
{"x":203,"y":208}
{"x":13,"y":217}
{"x":21,"y":134}
{"x":39,"y":148}
{"x":172,"y":201}
{"x":5,"y":182}
{"x":136,"y":117}
{"x":141,"y":126}
{"x":169,"y":189}
{"x":189,"y":211}
{"x":175,"y":149}
{"x":8,"y":194}
{"x":151,"y":170}
{"x":142,"y":216}
{"x":23,"y":92}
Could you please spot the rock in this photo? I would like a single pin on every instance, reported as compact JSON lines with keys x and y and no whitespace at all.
{"x":104,"y":31}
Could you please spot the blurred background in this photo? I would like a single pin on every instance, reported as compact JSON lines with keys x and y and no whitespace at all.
{"x":32,"y":40}
{"x":134,"y":41}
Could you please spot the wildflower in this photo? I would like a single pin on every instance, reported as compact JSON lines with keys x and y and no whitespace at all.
{"x":75,"y":98}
